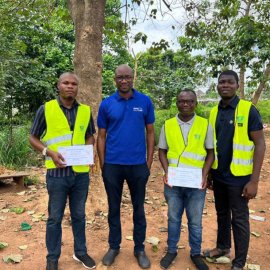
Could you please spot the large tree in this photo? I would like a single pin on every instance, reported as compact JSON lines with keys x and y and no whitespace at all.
{"x":89,"y":18}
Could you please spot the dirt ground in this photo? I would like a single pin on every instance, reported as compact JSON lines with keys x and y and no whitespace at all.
{"x":34,"y":199}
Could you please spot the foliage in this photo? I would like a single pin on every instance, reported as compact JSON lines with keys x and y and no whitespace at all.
{"x":15,"y":149}
{"x":162,"y":75}
{"x":263,"y":107}
{"x":31,"y":180}
{"x":233,"y":34}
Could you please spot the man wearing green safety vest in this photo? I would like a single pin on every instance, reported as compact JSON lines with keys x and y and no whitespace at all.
{"x":186,"y":141}
{"x":64,"y":122}
{"x":239,"y":151}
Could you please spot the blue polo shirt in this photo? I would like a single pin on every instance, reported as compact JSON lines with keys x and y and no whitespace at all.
{"x":224,"y":132}
{"x":125,"y":121}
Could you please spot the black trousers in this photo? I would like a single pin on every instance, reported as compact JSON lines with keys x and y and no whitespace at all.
{"x":136,"y":176}
{"x":232,"y":212}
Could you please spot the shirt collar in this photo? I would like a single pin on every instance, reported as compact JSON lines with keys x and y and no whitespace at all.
{"x":233,"y":104}
{"x":75,"y":104}
{"x":118,"y":97}
{"x":190,"y":122}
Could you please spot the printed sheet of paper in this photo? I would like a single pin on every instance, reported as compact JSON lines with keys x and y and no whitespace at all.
{"x":185,"y":177}
{"x":77,"y":154}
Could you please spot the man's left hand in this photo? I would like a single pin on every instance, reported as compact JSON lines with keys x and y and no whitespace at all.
{"x":250,"y":190}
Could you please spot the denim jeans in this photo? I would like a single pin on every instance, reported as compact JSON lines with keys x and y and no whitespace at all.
{"x":192,"y":200}
{"x":232,"y":211}
{"x":136,"y":176}
{"x":75,"y":188}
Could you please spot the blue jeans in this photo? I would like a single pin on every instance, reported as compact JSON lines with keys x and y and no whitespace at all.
{"x":59,"y":189}
{"x":178,"y":199}
{"x":136,"y":176}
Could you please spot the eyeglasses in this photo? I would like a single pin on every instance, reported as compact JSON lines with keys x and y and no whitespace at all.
{"x":126,"y":78}
{"x":187,"y":101}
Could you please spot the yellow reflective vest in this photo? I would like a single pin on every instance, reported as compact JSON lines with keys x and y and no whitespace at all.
{"x":192,"y":154}
{"x":243,"y":147}
{"x":58,"y":132}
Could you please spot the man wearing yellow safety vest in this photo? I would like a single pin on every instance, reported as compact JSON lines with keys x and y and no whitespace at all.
{"x":64,"y":122}
{"x":186,"y":141}
{"x":239,"y":151}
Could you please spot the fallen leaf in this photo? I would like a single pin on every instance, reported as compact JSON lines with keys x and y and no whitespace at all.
{"x":258,"y":218}
{"x":181,"y":247}
{"x":163,"y":229}
{"x":21,"y":193}
{"x":154,"y":248}
{"x":14,"y":258}
{"x":7,"y":210}
{"x":23,"y":247}
{"x":253,"y":266}
{"x":130,"y":238}
{"x":3,"y":245}
{"x":255,"y":234}
{"x":30,"y":212}
{"x":153,"y":240}
{"x":251,"y":211}
{"x":3,"y":218}
{"x":25,"y":226}
{"x":221,"y":260}
{"x":17,"y":210}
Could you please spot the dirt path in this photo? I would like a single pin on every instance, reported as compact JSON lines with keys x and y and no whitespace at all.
{"x":35,"y":199}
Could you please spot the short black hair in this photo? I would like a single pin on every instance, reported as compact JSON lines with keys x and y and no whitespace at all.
{"x":187,"y":90}
{"x":229,"y":72}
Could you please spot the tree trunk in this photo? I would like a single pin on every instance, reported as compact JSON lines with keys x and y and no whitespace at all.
{"x":88,"y":17}
{"x":261,"y":87}
{"x":242,"y":82}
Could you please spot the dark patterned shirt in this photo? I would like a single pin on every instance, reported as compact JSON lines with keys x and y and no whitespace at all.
{"x":39,"y":129}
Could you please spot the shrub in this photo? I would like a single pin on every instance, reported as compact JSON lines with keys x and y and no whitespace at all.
{"x":15,"y":149}
{"x":263,"y":107}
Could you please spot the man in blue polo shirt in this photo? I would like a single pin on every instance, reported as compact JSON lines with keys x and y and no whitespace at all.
{"x":126,"y":153}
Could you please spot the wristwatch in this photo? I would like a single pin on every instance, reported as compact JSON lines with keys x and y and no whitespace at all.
{"x":44,"y":151}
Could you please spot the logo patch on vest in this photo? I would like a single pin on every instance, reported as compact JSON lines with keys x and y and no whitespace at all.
{"x":240,"y":120}
{"x":197,"y":136}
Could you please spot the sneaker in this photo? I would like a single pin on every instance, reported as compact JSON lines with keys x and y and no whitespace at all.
{"x":86,"y":261}
{"x":199,"y":262}
{"x":167,"y":260}
{"x":52,"y":265}
{"x":142,"y":259}
{"x":110,"y":256}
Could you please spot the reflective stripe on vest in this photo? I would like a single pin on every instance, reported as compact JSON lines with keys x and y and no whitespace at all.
{"x":194,"y":153}
{"x":58,"y":139}
{"x":243,"y":147}
{"x":58,"y":132}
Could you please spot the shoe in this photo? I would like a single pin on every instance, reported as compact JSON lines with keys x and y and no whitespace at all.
{"x":110,"y":256}
{"x":236,"y":268}
{"x":199,"y":262}
{"x":52,"y":265}
{"x":167,"y":260}
{"x":217,"y":253}
{"x":142,"y":259}
{"x":86,"y":261}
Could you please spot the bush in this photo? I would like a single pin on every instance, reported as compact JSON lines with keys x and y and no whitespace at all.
{"x":263,"y":107}
{"x":15,"y":149}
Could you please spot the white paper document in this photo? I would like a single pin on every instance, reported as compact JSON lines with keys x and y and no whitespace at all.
{"x":185,"y":177}
{"x":77,"y":154}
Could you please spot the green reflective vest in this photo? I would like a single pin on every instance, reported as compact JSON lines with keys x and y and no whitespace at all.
{"x":243,"y":147}
{"x":58,"y":132}
{"x":192,"y":154}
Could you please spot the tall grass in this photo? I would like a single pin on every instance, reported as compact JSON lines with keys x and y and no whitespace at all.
{"x":15,"y":149}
